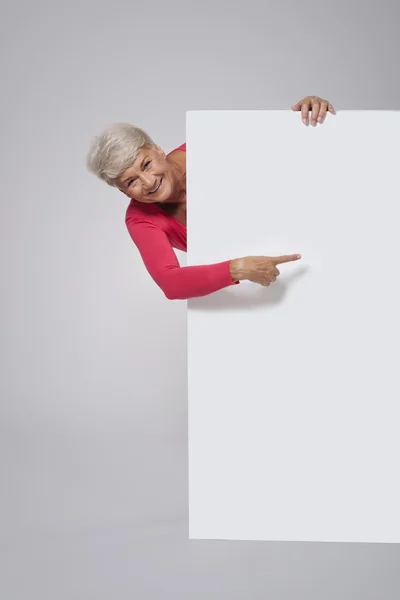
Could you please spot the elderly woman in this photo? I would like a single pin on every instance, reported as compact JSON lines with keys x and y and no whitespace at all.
{"x":126,"y":158}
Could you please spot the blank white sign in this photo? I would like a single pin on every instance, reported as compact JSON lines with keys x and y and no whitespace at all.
{"x":294,"y":389}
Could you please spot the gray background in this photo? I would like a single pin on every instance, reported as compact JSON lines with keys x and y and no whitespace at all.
{"x":93,"y":387}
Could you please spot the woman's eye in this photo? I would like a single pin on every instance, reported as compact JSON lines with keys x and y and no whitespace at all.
{"x":146,"y":164}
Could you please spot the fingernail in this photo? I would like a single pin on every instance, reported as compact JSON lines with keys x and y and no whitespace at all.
{"x":313,"y":123}
{"x":320,"y":119}
{"x":305,"y":121}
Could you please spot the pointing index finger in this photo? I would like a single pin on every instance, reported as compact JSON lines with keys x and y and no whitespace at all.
{"x":279,"y":260}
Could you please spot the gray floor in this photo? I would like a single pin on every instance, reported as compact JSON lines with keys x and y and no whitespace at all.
{"x":87,"y":517}
{"x":130,"y":562}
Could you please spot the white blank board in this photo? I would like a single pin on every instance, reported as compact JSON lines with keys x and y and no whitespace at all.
{"x":294,"y":389}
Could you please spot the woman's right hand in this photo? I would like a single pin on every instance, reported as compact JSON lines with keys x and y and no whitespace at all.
{"x":259,"y":269}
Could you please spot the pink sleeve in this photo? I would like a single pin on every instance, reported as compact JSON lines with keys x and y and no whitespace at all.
{"x":160,"y":260}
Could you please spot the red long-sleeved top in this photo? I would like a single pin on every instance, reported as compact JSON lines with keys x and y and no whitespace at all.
{"x":155,"y":234}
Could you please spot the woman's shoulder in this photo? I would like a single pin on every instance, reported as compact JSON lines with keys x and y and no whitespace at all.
{"x":138,"y":212}
{"x":181,"y":147}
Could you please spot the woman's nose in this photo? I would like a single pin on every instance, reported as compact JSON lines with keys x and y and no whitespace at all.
{"x":147,"y":181}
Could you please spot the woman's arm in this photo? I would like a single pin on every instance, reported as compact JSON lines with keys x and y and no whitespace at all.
{"x":177,"y":283}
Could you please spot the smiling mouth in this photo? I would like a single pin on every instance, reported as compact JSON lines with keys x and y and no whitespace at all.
{"x":157,"y":188}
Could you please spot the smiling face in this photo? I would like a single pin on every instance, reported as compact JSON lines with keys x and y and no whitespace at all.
{"x":151,"y":177}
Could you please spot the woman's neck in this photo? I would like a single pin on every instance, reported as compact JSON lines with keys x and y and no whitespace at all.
{"x":177,"y":160}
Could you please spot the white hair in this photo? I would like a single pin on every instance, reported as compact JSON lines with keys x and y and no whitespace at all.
{"x":115,"y":150}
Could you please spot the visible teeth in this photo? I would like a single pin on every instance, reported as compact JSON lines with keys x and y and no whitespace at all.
{"x":153,"y":191}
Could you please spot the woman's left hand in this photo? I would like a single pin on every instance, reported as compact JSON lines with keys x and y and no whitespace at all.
{"x":318,"y":108}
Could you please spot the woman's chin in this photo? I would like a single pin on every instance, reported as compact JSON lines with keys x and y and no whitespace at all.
{"x":164,"y":198}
